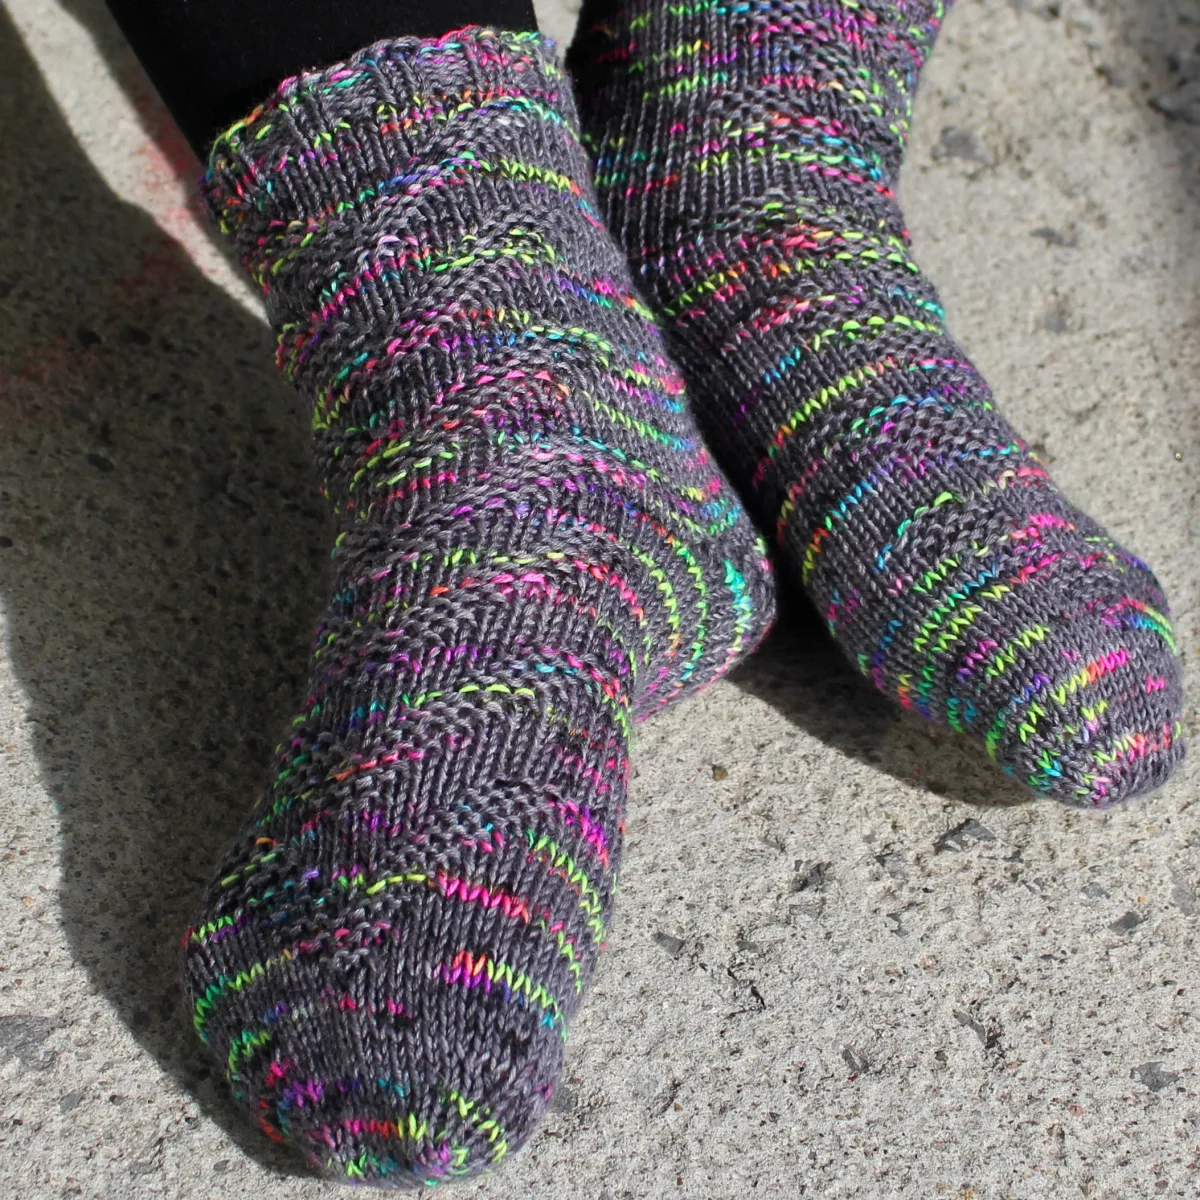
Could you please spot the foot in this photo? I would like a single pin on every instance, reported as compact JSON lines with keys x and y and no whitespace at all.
{"x":745,"y":155}
{"x":533,"y":551}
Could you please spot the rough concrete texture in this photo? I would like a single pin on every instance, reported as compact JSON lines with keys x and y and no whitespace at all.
{"x":848,"y":960}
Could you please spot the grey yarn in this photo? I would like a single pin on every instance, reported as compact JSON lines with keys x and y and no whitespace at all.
{"x":534,"y":550}
{"x":746,"y":155}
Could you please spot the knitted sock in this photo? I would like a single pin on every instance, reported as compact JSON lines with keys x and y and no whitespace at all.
{"x":745,"y":155}
{"x":533,"y":550}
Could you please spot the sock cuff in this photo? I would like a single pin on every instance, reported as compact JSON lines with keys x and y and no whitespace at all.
{"x":336,"y":139}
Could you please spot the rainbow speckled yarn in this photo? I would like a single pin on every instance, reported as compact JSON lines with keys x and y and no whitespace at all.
{"x":533,"y":551}
{"x":745,"y":154}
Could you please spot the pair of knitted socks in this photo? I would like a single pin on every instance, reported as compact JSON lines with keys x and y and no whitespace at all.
{"x":535,"y":548}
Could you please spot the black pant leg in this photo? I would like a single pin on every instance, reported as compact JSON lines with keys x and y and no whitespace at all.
{"x":213,"y":60}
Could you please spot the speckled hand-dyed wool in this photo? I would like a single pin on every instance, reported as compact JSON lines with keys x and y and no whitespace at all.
{"x":746,"y":155}
{"x":533,"y":551}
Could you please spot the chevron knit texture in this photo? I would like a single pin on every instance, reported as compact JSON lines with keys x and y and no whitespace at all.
{"x":533,"y":551}
{"x":746,"y":153}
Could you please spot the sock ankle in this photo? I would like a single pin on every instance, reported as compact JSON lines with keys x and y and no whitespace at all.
{"x":533,"y":551}
{"x":746,"y":155}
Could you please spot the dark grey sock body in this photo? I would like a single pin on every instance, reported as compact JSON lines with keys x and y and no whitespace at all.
{"x":746,"y":155}
{"x":534,"y":551}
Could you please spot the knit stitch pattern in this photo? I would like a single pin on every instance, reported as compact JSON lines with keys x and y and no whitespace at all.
{"x":534,"y":550}
{"x":746,"y":154}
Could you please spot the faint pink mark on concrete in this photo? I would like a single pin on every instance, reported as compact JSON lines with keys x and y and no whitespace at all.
{"x":169,"y":167}
{"x":44,"y":380}
{"x":163,"y":268}
{"x":42,"y":384}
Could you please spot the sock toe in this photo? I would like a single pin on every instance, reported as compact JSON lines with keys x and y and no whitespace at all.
{"x":1093,"y":714}
{"x":362,"y":1108}
{"x":1007,"y":614}
{"x":370,"y":1094}
{"x":400,"y":1020}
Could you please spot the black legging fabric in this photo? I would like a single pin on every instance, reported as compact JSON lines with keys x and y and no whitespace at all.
{"x":213,"y":60}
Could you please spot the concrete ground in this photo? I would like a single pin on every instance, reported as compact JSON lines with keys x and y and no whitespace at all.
{"x":848,"y":961}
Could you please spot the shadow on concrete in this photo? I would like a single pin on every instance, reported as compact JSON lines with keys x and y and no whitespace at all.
{"x":802,"y":674}
{"x":1165,"y":37}
{"x":161,"y":563}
